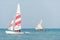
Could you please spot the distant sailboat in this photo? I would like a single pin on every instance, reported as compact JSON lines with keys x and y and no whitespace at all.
{"x":39,"y":26}
{"x":15,"y":25}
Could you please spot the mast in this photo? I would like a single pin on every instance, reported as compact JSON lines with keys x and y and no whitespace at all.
{"x":18,"y":19}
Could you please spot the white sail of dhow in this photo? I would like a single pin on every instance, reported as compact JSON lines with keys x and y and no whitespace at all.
{"x":39,"y":26}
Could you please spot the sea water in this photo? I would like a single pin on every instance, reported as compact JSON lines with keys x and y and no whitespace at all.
{"x":46,"y":34}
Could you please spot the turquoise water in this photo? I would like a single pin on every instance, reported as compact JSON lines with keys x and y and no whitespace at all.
{"x":47,"y":34}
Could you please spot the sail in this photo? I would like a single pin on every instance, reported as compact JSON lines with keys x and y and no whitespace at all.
{"x":39,"y":26}
{"x":11,"y":25}
{"x":18,"y":19}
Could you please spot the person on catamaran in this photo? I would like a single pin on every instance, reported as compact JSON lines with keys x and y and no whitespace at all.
{"x":17,"y":30}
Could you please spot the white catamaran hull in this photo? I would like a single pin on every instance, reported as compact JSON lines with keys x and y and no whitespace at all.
{"x":12,"y":32}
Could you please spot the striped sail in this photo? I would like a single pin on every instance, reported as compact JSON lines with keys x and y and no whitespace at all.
{"x":18,"y":19}
{"x":11,"y":25}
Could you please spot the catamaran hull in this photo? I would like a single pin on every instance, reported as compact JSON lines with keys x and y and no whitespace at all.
{"x":12,"y":32}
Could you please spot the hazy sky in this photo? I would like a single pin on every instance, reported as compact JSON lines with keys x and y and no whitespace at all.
{"x":32,"y":12}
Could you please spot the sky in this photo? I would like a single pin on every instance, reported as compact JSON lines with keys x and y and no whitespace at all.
{"x":32,"y":12}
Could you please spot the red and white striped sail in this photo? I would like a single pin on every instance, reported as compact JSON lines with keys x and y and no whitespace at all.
{"x":11,"y":25}
{"x":18,"y":19}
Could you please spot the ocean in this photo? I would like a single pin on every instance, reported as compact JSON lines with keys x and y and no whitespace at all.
{"x":46,"y":34}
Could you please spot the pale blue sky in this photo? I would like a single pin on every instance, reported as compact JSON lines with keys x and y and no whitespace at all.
{"x":32,"y":12}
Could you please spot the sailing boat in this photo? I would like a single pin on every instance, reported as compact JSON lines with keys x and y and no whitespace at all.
{"x":15,"y":25}
{"x":39,"y":26}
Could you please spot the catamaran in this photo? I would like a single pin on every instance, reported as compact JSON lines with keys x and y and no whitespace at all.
{"x":39,"y":26}
{"x":15,"y":25}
